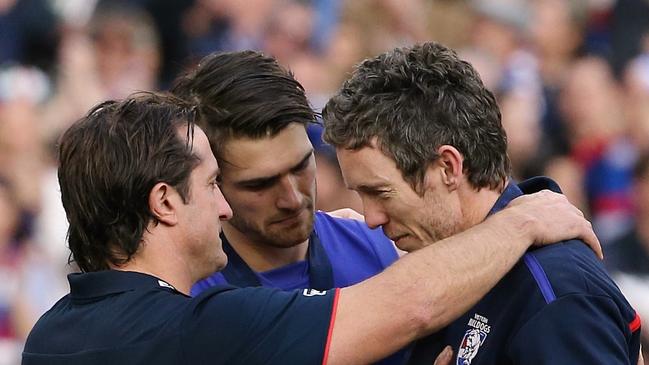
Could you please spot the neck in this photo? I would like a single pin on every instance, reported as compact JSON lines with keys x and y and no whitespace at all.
{"x":181,"y":284}
{"x":261,"y":256}
{"x":477,"y":204}
{"x":161,"y":261}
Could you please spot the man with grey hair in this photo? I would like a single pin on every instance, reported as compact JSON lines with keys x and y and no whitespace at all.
{"x":419,"y":137}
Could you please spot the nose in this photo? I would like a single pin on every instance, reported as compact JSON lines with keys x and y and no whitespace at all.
{"x":290,"y":196}
{"x":222,"y":206}
{"x":375,"y":216}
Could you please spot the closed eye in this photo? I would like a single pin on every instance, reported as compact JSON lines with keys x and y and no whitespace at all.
{"x":260,"y":184}
{"x":374,"y":192}
{"x":263,"y":183}
{"x":303,"y":164}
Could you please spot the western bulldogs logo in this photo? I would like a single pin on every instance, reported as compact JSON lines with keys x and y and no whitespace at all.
{"x":473,"y":339}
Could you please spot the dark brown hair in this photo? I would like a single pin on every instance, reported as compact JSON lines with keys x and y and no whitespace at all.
{"x":109,"y":162}
{"x":244,"y":94}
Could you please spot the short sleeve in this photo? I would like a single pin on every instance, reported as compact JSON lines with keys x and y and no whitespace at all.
{"x":575,"y":329}
{"x":258,"y":326}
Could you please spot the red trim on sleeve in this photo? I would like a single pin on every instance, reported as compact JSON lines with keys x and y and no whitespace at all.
{"x":331,"y":326}
{"x":634,"y":325}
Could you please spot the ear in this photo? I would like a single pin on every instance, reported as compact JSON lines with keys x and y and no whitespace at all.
{"x":163,"y":203}
{"x":451,"y":162}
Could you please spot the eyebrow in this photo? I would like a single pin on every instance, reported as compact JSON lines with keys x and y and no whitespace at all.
{"x":370,"y":188}
{"x":269,"y":179}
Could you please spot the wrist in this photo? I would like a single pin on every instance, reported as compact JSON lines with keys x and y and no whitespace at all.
{"x":520,"y":227}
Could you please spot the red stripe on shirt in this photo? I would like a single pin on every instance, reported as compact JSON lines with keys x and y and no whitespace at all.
{"x":331,"y":326}
{"x":634,"y":325}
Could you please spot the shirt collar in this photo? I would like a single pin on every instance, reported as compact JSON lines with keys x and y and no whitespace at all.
{"x":529,"y":186}
{"x":510,"y":193}
{"x":101,"y":283}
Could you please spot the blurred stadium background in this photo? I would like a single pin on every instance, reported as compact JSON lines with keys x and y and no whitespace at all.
{"x":571,"y":77}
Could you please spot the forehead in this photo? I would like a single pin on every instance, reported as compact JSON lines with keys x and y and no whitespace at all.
{"x":368,"y":166}
{"x":266,"y":156}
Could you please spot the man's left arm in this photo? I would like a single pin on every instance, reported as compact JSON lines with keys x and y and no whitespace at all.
{"x":577,"y":329}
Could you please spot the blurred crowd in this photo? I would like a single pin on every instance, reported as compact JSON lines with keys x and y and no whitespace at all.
{"x":571,"y":77}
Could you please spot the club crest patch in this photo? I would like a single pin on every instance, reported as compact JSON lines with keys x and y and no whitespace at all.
{"x":473,"y":338}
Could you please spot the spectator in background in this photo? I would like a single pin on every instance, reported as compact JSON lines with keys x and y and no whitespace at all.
{"x":499,"y":49}
{"x":27,"y":35}
{"x":629,"y":24}
{"x":30,"y":281}
{"x":556,"y":34}
{"x":287,"y":34}
{"x":117,"y":54}
{"x":11,"y":253}
{"x":628,"y":257}
{"x":591,"y":107}
{"x":636,"y":92}
{"x":21,"y":147}
{"x":226,"y":25}
{"x":331,"y":191}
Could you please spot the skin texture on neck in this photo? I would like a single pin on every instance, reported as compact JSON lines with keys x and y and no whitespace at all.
{"x":262,"y":257}
{"x":476,"y":204}
{"x":158,"y":257}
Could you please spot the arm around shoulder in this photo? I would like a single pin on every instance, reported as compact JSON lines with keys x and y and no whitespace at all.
{"x":426,"y":290}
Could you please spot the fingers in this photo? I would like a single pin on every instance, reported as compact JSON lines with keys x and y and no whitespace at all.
{"x":444,"y":357}
{"x":640,"y":359}
{"x":589,"y":237}
{"x":347,"y":213}
{"x":556,"y":219}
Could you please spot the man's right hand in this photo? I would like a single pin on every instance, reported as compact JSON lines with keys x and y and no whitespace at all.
{"x":444,"y":357}
{"x":549,"y":217}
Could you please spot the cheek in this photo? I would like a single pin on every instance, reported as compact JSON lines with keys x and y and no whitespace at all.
{"x":308,"y":177}
{"x":307,"y":183}
{"x":404,"y":207}
{"x":250,"y":204}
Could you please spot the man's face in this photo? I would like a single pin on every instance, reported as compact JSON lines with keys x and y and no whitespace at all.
{"x":270,"y":184}
{"x":202,"y":215}
{"x":410,"y":220}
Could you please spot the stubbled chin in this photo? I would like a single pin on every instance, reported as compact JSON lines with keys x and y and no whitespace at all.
{"x":289,"y":239}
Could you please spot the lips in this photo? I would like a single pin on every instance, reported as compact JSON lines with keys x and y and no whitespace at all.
{"x":290,"y":217}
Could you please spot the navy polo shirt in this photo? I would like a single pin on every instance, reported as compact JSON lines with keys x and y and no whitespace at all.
{"x":556,"y":306}
{"x":119,"y":317}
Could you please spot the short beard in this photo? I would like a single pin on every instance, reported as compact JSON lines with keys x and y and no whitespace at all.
{"x":275,"y":238}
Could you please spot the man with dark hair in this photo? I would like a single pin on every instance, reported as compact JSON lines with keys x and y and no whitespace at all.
{"x":420,"y":138}
{"x":255,"y":114}
{"x":140,"y":188}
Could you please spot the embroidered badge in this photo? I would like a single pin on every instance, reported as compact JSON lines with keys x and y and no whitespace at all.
{"x":473,"y":339}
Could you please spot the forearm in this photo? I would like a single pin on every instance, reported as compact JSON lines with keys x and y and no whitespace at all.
{"x":426,"y":290}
